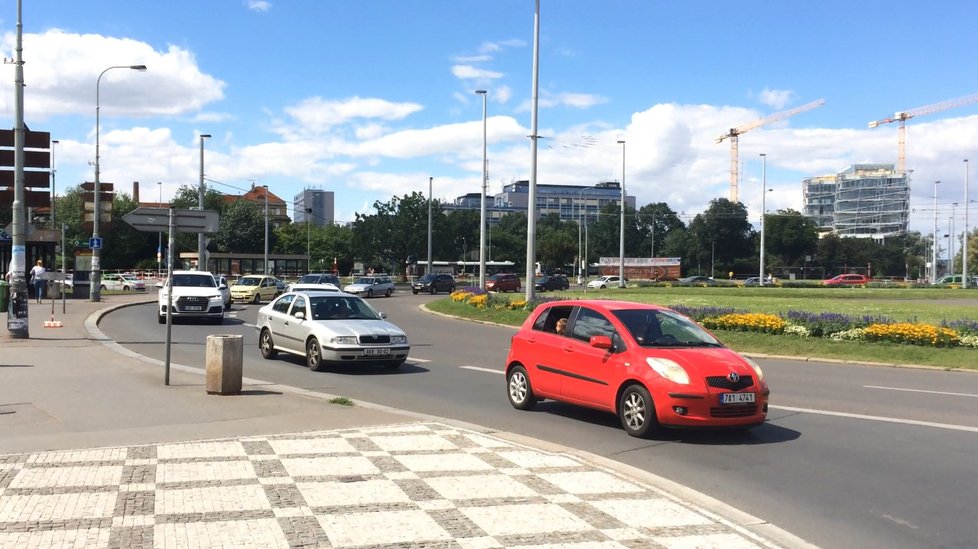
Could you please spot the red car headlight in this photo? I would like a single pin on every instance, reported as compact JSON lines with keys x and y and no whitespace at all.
{"x":669,"y":370}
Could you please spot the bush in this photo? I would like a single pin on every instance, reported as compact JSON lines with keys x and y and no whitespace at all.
{"x":747,"y":322}
{"x":913,"y":334}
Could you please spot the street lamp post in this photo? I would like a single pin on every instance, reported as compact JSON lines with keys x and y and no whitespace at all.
{"x":265,"y":267}
{"x":964,"y":250}
{"x":428,"y":270}
{"x":308,"y":239}
{"x":582,"y":220}
{"x":201,"y":246}
{"x":54,"y":188}
{"x":950,"y":244}
{"x":763,"y":211}
{"x":621,"y":235}
{"x":159,"y":238}
{"x":96,"y":279}
{"x":482,"y":197}
{"x":933,"y":263}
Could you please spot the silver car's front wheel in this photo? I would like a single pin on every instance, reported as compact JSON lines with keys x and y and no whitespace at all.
{"x":314,"y":355}
{"x":266,"y":345}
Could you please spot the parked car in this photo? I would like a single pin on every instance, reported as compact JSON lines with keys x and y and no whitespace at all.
{"x":254,"y":288}
{"x":434,"y":283}
{"x":552,"y":282}
{"x":369,"y":286}
{"x":649,"y":365}
{"x":503,"y":282}
{"x":124,"y":282}
{"x":607,"y":281}
{"x":846,"y":280}
{"x":329,"y":328}
{"x":698,"y":279}
{"x":308,"y":280}
{"x":195,"y":294}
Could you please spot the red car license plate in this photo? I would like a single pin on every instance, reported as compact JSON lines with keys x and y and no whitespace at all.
{"x":737,"y":398}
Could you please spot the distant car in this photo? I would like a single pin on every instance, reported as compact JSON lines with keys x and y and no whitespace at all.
{"x":957,"y":280}
{"x":503,"y":282}
{"x":551,"y":282}
{"x":698,"y":279}
{"x":434,"y":283}
{"x":280,"y":286}
{"x":607,"y":281}
{"x":369,"y":286}
{"x":846,"y":280}
{"x":124,"y":282}
{"x":307,"y":280}
{"x":254,"y":288}
{"x":195,"y":294}
{"x":329,"y":328}
{"x":222,"y":285}
{"x":649,"y":365}
{"x":755,"y":281}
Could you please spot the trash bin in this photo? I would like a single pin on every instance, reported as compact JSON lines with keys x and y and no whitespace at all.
{"x":4,"y":295}
{"x":224,"y":356}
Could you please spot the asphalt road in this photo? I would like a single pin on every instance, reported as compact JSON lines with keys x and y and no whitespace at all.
{"x":851,"y":456}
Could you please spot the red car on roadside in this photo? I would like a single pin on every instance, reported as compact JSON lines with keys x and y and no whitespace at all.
{"x":649,"y":365}
{"x":846,"y":280}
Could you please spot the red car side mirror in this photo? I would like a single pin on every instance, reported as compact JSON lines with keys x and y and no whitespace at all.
{"x":601,"y":342}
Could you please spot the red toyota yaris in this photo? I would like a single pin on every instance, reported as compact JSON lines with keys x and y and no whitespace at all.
{"x":649,"y":365}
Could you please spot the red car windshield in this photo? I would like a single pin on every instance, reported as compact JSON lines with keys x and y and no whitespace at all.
{"x":660,"y":328}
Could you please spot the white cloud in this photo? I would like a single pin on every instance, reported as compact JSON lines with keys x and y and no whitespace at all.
{"x":64,"y":70}
{"x":259,"y":5}
{"x":316,"y":115}
{"x":470,"y":72}
{"x":776,"y":99}
{"x":573,"y":100}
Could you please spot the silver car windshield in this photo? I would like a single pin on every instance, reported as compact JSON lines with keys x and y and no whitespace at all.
{"x":341,"y":308}
{"x":658,"y":328}
{"x":198,"y":281}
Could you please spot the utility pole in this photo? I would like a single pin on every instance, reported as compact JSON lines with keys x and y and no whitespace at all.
{"x":17,"y":321}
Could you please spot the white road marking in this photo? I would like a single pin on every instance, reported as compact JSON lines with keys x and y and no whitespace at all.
{"x":412,"y":359}
{"x":920,"y":391}
{"x":948,"y":426}
{"x":487,"y":370}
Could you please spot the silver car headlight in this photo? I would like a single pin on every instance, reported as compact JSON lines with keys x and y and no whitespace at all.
{"x":399,"y":339}
{"x":669,"y":370}
{"x":345,"y":340}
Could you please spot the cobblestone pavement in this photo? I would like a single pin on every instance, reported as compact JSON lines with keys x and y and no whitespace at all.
{"x":404,"y":485}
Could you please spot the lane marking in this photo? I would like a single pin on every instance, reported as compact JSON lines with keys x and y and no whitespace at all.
{"x":920,"y":391}
{"x":412,"y":359}
{"x":947,"y":426}
{"x":487,"y":370}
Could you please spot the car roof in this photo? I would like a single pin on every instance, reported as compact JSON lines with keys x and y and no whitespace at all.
{"x":607,"y":304}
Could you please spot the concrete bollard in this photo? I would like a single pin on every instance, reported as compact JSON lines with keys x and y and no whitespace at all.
{"x":224,"y":364}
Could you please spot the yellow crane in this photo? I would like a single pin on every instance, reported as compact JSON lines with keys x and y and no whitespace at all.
{"x":903,"y":116}
{"x":734,"y":133}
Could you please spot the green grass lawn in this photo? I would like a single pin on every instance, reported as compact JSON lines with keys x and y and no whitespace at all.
{"x":924,"y":305}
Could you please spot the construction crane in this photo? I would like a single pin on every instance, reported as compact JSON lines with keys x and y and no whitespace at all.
{"x":734,"y":133}
{"x":902,"y":118}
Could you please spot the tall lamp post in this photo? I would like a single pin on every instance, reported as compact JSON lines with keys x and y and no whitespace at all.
{"x":621,"y":236}
{"x":482,"y":197}
{"x":96,"y":280}
{"x":201,"y":246}
{"x":964,"y":250}
{"x":763,"y":211}
{"x":582,"y":210}
{"x":54,"y":187}
{"x":308,"y":239}
{"x":428,"y":270}
{"x":265,"y":267}
{"x":159,"y":238}
{"x":933,"y":262}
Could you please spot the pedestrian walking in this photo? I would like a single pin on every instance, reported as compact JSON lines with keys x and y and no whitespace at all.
{"x":37,"y":279}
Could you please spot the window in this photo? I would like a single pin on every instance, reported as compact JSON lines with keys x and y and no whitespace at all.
{"x":282,"y":305}
{"x":590,"y":323}
{"x":547,"y":321}
{"x":299,"y":306}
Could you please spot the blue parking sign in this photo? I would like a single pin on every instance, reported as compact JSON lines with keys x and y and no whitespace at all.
{"x":95,"y":243}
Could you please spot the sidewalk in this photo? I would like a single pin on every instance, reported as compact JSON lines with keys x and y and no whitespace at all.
{"x":94,"y":452}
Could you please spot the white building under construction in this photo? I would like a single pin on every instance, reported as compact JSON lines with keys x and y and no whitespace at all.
{"x":862,"y":201}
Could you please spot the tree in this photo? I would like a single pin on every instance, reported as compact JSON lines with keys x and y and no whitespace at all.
{"x":722,"y":238}
{"x":556,"y":242}
{"x":122,"y":245}
{"x":387,"y":237}
{"x":790,"y":237}
{"x":655,"y":222}
{"x":187,"y":197}
{"x":242,"y":229}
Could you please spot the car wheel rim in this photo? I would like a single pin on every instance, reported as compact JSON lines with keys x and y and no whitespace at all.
{"x":634,"y":411}
{"x":517,"y":388}
{"x":313,"y":353}
{"x":266,"y":344}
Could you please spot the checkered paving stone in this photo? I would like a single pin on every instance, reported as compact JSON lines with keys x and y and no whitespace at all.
{"x":409,"y":485}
